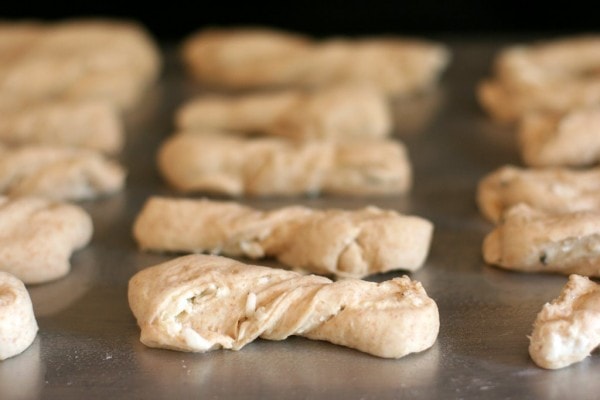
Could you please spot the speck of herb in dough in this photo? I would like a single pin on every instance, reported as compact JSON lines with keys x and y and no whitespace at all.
{"x":544,"y":258}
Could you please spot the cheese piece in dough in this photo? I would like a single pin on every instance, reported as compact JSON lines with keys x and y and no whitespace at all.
{"x":200,"y":303}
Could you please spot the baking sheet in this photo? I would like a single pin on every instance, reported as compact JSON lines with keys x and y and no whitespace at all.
{"x":88,"y":344}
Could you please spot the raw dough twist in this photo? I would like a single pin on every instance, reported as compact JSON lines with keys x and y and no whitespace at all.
{"x":81,"y":59}
{"x":18,"y":326}
{"x":570,"y":139}
{"x":37,"y":237}
{"x":567,"y":330}
{"x":553,"y":190}
{"x":90,"y":124}
{"x":200,"y":303}
{"x":552,"y":76}
{"x":339,"y":112}
{"x":532,"y":241}
{"x":343,"y":243}
{"x":271,"y":166}
{"x":59,"y":173}
{"x":259,"y":57}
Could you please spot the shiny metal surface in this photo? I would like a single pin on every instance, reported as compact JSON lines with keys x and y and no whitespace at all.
{"x":88,"y":346}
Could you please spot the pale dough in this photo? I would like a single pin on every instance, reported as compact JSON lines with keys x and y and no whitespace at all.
{"x":58,"y":172}
{"x":339,"y":112}
{"x":567,"y":330}
{"x":37,"y":237}
{"x":554,"y":190}
{"x":90,"y":124}
{"x":200,"y":303}
{"x":550,"y":76}
{"x":18,"y":326}
{"x":261,"y":57}
{"x":533,"y":241}
{"x":571,"y":139}
{"x":80,"y":59}
{"x":343,"y":243}
{"x":195,"y":162}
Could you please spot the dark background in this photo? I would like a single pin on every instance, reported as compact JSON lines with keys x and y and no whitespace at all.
{"x":172,"y":20}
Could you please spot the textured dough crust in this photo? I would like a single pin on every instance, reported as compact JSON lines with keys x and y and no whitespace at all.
{"x":18,"y":326}
{"x":194,"y":162}
{"x":553,"y":190}
{"x":532,"y":241}
{"x":76,"y":59}
{"x":200,"y":303}
{"x":59,"y":173}
{"x":571,"y":139}
{"x":342,"y":243}
{"x":567,"y":330}
{"x":338,"y":112}
{"x":260,"y":57}
{"x":552,"y":76}
{"x":90,"y":124}
{"x":37,"y":237}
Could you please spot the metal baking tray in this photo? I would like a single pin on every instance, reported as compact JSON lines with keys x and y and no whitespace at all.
{"x":88,"y":344}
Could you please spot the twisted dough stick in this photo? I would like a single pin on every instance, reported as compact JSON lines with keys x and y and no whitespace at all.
{"x":90,"y":124}
{"x":553,"y":190}
{"x":37,"y":237}
{"x":566,"y":330}
{"x":81,"y":59}
{"x":343,"y":243}
{"x":531,"y":241}
{"x":251,"y":58}
{"x":571,"y":139}
{"x":272,"y":166}
{"x":18,"y":326}
{"x":338,"y":112}
{"x":552,"y":76}
{"x":200,"y":303}
{"x":58,"y":172}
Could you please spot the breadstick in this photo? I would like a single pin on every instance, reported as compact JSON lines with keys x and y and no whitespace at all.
{"x":90,"y":124}
{"x":18,"y":326}
{"x":571,"y":139}
{"x":260,"y":57}
{"x":37,"y":237}
{"x":552,"y":76}
{"x":200,"y":303}
{"x":567,"y":330}
{"x":193,"y":162}
{"x":59,"y":173}
{"x":339,"y":112}
{"x":78,"y":59}
{"x":342,"y":243}
{"x":553,"y":190}
{"x":529,"y":240}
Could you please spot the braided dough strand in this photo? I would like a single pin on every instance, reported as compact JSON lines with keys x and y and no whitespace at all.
{"x":59,"y":173}
{"x":552,"y":190}
{"x":38,"y":236}
{"x":200,"y":303}
{"x":271,"y":166}
{"x":252,"y":58}
{"x":567,"y":330}
{"x":532,"y":241}
{"x":552,"y":76}
{"x":18,"y":326}
{"x":338,"y":112}
{"x":342,"y":243}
